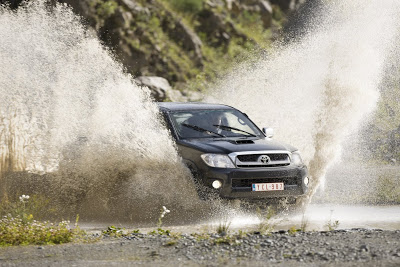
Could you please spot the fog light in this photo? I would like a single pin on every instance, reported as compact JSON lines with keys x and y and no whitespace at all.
{"x":216,"y":184}
{"x":306,"y":180}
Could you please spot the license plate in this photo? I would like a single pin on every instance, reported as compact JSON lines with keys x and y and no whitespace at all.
{"x":268,"y":187}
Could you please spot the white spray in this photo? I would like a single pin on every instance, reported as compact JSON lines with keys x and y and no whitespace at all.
{"x":319,"y":89}
{"x":68,"y":110}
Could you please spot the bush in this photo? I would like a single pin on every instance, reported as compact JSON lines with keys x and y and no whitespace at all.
{"x":18,"y":227}
{"x":18,"y":231}
{"x":188,"y":6}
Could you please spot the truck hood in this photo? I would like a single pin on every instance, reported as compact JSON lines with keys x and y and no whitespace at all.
{"x":226,"y":146}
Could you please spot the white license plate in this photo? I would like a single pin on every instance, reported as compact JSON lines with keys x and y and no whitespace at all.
{"x":268,"y":187}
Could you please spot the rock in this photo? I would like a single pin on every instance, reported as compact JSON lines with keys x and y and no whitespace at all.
{"x":160,"y":89}
{"x":157,"y":85}
{"x":364,"y":248}
{"x":175,"y":96}
{"x":190,"y":40}
{"x":228,"y":4}
{"x":266,"y":13}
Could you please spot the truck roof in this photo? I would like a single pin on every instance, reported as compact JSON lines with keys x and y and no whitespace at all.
{"x":190,"y":106}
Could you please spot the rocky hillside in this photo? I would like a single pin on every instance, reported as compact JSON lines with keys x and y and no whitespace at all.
{"x":184,"y":41}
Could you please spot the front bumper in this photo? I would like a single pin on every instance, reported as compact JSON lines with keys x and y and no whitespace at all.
{"x":237,"y":183}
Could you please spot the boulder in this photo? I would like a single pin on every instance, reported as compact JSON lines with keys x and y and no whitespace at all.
{"x":160,"y":89}
{"x":158,"y":86}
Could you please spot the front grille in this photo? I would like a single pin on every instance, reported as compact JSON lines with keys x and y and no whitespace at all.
{"x":262,"y":166}
{"x":254,"y":157}
{"x":247,"y":182}
{"x":261,"y":159}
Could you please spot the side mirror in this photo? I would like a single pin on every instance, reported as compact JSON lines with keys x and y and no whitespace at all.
{"x":269,"y":132}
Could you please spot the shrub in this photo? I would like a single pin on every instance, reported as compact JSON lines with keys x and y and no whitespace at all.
{"x":18,"y":226}
{"x":18,"y":231}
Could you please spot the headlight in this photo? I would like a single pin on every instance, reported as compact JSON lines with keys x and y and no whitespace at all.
{"x":217,"y":161}
{"x":296,"y":158}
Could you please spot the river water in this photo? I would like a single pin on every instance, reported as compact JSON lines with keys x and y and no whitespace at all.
{"x":347,"y":190}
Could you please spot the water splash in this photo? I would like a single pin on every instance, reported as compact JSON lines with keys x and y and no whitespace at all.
{"x":318,"y":89}
{"x":75,"y":125}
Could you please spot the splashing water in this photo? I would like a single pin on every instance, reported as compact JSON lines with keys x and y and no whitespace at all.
{"x":69,"y":113}
{"x":317,"y":90}
{"x":74,"y":126}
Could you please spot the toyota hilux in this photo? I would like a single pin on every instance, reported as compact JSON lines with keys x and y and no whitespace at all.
{"x":230,"y":156}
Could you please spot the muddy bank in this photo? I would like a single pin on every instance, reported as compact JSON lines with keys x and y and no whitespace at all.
{"x":353,"y":247}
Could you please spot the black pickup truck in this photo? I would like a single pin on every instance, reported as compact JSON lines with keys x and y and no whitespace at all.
{"x":229,"y":155}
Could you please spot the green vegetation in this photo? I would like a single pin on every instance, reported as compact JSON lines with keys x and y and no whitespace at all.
{"x":105,"y":8}
{"x":332,"y":225}
{"x":292,"y":230}
{"x":304,"y":223}
{"x":223,"y":227}
{"x":18,"y":226}
{"x":23,"y":231}
{"x":188,"y":6}
{"x":160,"y":231}
{"x":113,"y":231}
{"x":266,"y":225}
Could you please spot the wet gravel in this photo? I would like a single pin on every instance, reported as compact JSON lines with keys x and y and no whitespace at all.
{"x":354,"y":247}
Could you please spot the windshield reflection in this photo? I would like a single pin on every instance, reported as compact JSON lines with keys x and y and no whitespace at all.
{"x":213,"y":123}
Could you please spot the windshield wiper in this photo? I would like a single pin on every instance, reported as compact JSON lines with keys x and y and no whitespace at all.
{"x":199,"y":129}
{"x":233,"y":128}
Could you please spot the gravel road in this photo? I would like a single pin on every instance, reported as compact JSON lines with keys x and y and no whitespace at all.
{"x":354,"y":247}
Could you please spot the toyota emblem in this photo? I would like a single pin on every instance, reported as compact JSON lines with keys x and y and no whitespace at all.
{"x":264,"y":159}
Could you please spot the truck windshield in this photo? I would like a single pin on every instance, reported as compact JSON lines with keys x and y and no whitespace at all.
{"x":213,"y":123}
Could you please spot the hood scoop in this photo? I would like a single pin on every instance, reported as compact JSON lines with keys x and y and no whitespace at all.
{"x":241,"y":142}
